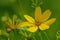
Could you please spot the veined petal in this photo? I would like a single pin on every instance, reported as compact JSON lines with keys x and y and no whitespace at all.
{"x":38,"y":15}
{"x":32,"y":29}
{"x":43,"y":27}
{"x":23,"y":24}
{"x":46,"y":15}
{"x":49,"y":22}
{"x":30,"y":19}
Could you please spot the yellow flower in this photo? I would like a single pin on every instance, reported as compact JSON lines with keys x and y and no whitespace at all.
{"x":12,"y":23}
{"x":41,"y":20}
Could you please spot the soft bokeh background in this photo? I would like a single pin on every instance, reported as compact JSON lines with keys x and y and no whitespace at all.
{"x":21,"y":7}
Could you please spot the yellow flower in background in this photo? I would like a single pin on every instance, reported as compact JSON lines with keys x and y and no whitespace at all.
{"x":41,"y":20}
{"x":11,"y":23}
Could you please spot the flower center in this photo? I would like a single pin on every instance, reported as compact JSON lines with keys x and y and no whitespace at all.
{"x":37,"y":23}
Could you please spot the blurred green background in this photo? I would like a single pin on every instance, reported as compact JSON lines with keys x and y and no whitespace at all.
{"x":21,"y":7}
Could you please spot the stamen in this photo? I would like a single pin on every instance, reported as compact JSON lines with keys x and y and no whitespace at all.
{"x":37,"y":23}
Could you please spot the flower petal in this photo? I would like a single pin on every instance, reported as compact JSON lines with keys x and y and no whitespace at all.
{"x":32,"y":29}
{"x":43,"y":27}
{"x":10,"y":26}
{"x":23,"y":24}
{"x":30,"y":19}
{"x":46,"y":15}
{"x":49,"y":22}
{"x":10,"y":23}
{"x":38,"y":15}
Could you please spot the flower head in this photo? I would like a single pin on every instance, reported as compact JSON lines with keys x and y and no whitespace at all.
{"x":12,"y":23}
{"x":41,"y":20}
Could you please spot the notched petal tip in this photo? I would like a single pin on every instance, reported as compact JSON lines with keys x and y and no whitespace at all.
{"x":54,"y":18}
{"x":51,"y":21}
{"x":38,"y":8}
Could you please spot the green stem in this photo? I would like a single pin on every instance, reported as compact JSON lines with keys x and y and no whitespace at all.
{"x":40,"y":34}
{"x":15,"y":35}
{"x":29,"y":37}
{"x":46,"y":35}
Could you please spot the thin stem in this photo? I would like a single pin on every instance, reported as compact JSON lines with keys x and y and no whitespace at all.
{"x":46,"y":35}
{"x":34,"y":36}
{"x":40,"y":35}
{"x":15,"y":35}
{"x":29,"y":37}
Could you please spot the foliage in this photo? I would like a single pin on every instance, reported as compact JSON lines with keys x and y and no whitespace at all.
{"x":9,"y":8}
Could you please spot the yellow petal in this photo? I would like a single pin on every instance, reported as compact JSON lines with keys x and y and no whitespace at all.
{"x":30,"y":19}
{"x":38,"y":15}
{"x":32,"y":29}
{"x":11,"y":26}
{"x":46,"y":15}
{"x":9,"y":21}
{"x":49,"y":22}
{"x":23,"y":24}
{"x":43,"y":27}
